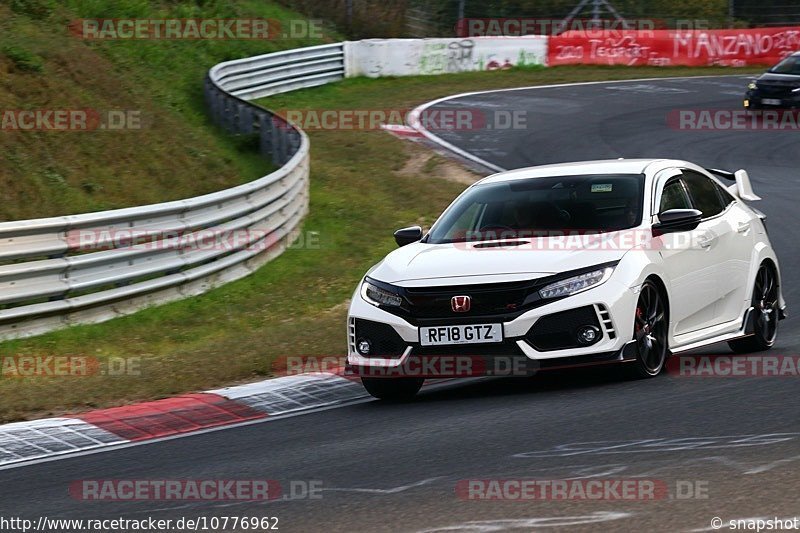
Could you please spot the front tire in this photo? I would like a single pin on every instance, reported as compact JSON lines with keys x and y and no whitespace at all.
{"x":393,"y":389}
{"x":765,"y":308}
{"x":650,"y":327}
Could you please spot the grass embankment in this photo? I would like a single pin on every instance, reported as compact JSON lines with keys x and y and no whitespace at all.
{"x":361,"y":191}
{"x":174,"y":155}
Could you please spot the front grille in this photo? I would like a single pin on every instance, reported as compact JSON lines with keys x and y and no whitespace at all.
{"x":384,"y":339}
{"x":486,"y":299}
{"x":777,"y":89}
{"x":491,"y":302}
{"x":557,"y":331}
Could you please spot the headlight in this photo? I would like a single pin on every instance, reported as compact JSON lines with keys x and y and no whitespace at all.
{"x":576,"y":284}
{"x":378,"y":296}
{"x":752,"y":86}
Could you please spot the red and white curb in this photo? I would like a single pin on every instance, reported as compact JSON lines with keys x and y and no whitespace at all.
{"x":401,"y":130}
{"x":22,"y":442}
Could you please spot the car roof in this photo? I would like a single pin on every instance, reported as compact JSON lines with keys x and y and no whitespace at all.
{"x":605,"y":166}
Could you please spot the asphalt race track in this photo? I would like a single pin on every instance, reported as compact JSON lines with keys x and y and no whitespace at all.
{"x":395,"y":467}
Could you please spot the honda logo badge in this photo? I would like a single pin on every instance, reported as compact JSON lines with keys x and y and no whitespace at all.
{"x":460,"y":304}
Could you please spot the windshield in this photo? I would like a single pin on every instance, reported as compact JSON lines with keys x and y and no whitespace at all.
{"x":790,"y":65}
{"x":542,"y":206}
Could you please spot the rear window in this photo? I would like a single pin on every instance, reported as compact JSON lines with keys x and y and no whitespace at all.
{"x":596,"y":203}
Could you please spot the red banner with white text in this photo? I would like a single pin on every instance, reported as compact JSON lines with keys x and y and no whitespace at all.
{"x":736,"y":48}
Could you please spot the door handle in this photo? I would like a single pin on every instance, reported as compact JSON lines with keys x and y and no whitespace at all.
{"x":743,"y":227}
{"x":706,"y":240}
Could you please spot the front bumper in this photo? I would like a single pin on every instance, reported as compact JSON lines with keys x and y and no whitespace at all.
{"x":611,"y":304}
{"x":755,"y":99}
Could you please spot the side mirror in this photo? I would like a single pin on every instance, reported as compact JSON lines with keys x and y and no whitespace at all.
{"x":407,"y":235}
{"x":674,"y":220}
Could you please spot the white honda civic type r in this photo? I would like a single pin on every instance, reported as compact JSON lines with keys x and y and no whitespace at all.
{"x":593,"y":262}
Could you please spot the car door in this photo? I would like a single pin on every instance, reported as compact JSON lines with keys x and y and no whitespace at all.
{"x":691,"y":270}
{"x":731,"y":242}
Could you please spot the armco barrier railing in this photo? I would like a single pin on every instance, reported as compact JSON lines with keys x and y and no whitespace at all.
{"x":92,"y":267}
{"x":229,"y":85}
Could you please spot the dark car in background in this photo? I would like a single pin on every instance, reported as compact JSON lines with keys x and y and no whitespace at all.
{"x":779,"y":87}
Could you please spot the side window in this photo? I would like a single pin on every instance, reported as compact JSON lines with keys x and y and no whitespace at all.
{"x":704,"y":194}
{"x":674,"y":196}
{"x":725,"y":197}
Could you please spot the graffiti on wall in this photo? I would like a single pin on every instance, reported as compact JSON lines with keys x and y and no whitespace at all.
{"x":404,"y":57}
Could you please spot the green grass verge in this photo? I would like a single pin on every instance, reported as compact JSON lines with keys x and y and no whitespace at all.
{"x":176,"y":154}
{"x":297,"y":303}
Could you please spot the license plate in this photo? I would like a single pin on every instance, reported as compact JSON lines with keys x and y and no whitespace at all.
{"x":771,"y":101}
{"x":466,"y":334}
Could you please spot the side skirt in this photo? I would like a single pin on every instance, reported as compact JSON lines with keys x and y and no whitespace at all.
{"x":746,"y":330}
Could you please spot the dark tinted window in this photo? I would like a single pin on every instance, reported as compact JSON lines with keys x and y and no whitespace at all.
{"x":704,"y":193}
{"x":790,"y":65}
{"x":725,"y":197}
{"x":604,"y":202}
{"x":674,"y":196}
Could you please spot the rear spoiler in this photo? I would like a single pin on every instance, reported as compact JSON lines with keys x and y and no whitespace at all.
{"x":742,"y":188}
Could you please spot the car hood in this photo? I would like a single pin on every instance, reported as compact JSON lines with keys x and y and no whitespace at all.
{"x":781,"y":79}
{"x":464,"y":263}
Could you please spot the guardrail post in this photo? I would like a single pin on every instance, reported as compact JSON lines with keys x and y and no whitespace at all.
{"x":219,"y":109}
{"x":229,"y":117}
{"x":285,"y":145}
{"x":278,"y":136}
{"x":293,"y":144}
{"x":217,"y":102}
{"x":266,"y":130}
{"x":245,"y":118}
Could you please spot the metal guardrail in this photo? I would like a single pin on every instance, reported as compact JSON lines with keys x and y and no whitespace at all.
{"x":229,"y":85}
{"x":83,"y":268}
{"x":280,"y":72}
